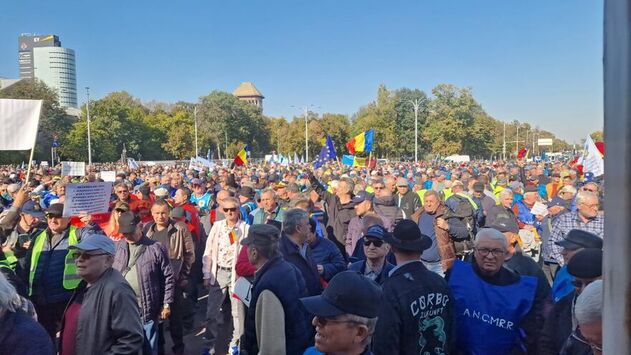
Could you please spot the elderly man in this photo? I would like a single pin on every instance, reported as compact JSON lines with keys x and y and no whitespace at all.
{"x":145,"y":265}
{"x":49,"y":271}
{"x":585,"y":267}
{"x":270,"y":209}
{"x":339,"y":207}
{"x":384,"y":203}
{"x":375,"y":266}
{"x":497,"y":310}
{"x":121,"y":190}
{"x":295,"y":249}
{"x":275,"y":322}
{"x":416,"y":316}
{"x":407,"y":199}
{"x":345,"y":315}
{"x":102,"y":317}
{"x":176,"y":237}
{"x":589,"y":312}
{"x":218,"y":267}
{"x":530,"y":226}
{"x":363,"y":206}
{"x":442,"y":232}
{"x":587,"y":218}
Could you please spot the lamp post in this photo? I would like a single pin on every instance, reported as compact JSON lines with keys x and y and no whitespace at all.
{"x":416,"y":104}
{"x":195,"y":118}
{"x":87,"y":109}
{"x":306,"y":113}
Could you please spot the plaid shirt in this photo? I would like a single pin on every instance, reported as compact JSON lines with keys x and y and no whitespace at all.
{"x":566,"y":223}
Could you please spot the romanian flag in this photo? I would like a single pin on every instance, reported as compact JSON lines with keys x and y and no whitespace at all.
{"x":242,"y":157}
{"x":233,"y":236}
{"x":362,"y":142}
{"x":522,"y":153}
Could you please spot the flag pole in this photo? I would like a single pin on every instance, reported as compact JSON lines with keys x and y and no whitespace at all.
{"x":30,"y":159}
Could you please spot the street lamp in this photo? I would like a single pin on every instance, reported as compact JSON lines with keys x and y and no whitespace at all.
{"x":87,"y":109}
{"x":416,"y":104}
{"x":195,"y":118}
{"x":306,"y":113}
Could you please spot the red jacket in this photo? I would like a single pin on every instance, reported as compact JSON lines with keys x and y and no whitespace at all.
{"x":193,"y":224}
{"x":243,"y":267}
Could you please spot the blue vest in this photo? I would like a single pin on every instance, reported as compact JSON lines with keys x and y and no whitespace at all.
{"x":562,"y":285}
{"x":488,"y":316}
{"x":203,"y":202}
{"x":524,"y":214}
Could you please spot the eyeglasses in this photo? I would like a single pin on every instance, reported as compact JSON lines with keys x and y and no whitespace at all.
{"x":494,"y":252}
{"x":231,"y":209}
{"x":85,"y":256}
{"x":323,"y":321}
{"x":378,"y":187}
{"x":376,"y":243}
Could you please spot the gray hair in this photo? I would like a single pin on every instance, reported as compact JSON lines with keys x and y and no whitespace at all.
{"x":589,"y":304}
{"x":582,"y":196}
{"x":293,"y":187}
{"x":506,"y":193}
{"x":293,"y":217}
{"x":349,"y":184}
{"x":9,"y":298}
{"x":370,"y":323}
{"x":269,"y":190}
{"x":432,"y":193}
{"x":492,"y":234}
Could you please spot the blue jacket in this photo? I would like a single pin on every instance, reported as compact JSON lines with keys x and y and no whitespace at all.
{"x":306,"y":266}
{"x":324,"y":252}
{"x":285,"y":281}
{"x":21,"y":334}
{"x":360,"y":267}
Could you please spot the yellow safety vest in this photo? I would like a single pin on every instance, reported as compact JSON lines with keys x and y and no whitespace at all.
{"x":473,"y":204}
{"x":71,"y":279}
{"x":421,"y":194}
{"x":10,"y":261}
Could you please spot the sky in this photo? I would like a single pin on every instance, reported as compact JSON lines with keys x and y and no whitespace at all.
{"x":536,"y":61}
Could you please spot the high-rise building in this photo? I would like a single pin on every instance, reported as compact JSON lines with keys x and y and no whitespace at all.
{"x":249,"y":93}
{"x":43,"y":58}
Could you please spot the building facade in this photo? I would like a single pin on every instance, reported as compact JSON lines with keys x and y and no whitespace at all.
{"x":249,"y":93}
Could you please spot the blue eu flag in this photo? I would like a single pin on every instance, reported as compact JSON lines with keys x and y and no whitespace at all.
{"x":326,"y":153}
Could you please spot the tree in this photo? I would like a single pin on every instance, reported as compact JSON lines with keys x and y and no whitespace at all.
{"x":379,"y":115}
{"x":53,"y":118}
{"x":598,"y":136}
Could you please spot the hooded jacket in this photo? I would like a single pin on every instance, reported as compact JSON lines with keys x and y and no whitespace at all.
{"x":386,"y":206}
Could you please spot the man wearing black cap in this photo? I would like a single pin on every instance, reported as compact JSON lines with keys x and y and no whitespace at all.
{"x":417,"y":313}
{"x":274,"y":300}
{"x":49,"y":269}
{"x":345,"y":315}
{"x":480,"y":198}
{"x":585,"y":266}
{"x":145,"y":265}
{"x":575,"y":241}
{"x":374,"y":266}
{"x":246,"y":198}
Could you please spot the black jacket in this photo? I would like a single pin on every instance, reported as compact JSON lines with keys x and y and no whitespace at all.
{"x":360,"y":266}
{"x":416,"y":300}
{"x":557,"y":326}
{"x":307,"y":267}
{"x":409,"y":203}
{"x":339,"y":214}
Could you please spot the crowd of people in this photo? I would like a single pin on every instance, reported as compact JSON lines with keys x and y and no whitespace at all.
{"x":485,"y":257}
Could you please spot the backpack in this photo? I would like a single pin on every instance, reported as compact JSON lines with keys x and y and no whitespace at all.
{"x":464,"y":211}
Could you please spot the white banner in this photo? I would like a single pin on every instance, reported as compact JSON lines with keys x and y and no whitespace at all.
{"x":19,"y":120}
{"x":200,"y":163}
{"x":92,"y":197}
{"x":592,"y":159}
{"x":108,"y":175}
{"x":544,"y":141}
{"x":72,"y":168}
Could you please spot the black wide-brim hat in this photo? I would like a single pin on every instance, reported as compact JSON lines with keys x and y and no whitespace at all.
{"x":408,"y":236}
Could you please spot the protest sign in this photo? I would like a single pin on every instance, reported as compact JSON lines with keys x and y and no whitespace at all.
{"x":93,"y":197}
{"x":109,"y":175}
{"x":72,"y":168}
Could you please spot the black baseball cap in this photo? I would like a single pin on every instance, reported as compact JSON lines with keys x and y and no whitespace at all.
{"x":127,"y":222}
{"x":55,"y":210}
{"x":576,"y":239}
{"x":349,"y":292}
{"x":261,"y":234}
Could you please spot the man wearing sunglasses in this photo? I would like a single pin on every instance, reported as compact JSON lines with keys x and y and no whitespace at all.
{"x":559,"y":330}
{"x":497,"y":310}
{"x":375,"y":266}
{"x":50,"y":272}
{"x":218,"y":267}
{"x":345,"y":315}
{"x":103,"y":315}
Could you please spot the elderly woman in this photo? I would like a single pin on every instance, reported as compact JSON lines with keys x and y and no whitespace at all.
{"x":19,"y":332}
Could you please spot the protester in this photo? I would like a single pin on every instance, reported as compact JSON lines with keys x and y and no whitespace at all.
{"x":102,"y":317}
{"x":219,"y":261}
{"x":270,"y":209}
{"x":375,"y":266}
{"x":110,"y":228}
{"x":407,"y":200}
{"x":497,"y":310}
{"x":589,"y":312}
{"x":326,"y":255}
{"x":19,"y":332}
{"x":176,"y":237}
{"x":345,"y":315}
{"x":144,"y":263}
{"x":276,"y":323}
{"x":200,"y":197}
{"x":384,"y":203}
{"x":417,"y":313}
{"x":295,"y":250}
{"x":122,"y":194}
{"x":363,"y":206}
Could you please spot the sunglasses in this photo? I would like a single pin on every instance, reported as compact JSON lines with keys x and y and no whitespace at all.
{"x":323,"y":321}
{"x":376,"y":243}
{"x":378,"y":187}
{"x":120,"y":210}
{"x":231,"y":209}
{"x":85,"y":256}
{"x":50,"y":215}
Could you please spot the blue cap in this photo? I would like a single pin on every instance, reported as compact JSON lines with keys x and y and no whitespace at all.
{"x":362,"y":196}
{"x":349,"y":292}
{"x":33,"y":209}
{"x":376,"y":231}
{"x":95,"y":242}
